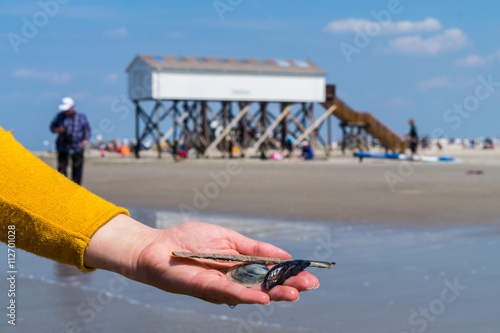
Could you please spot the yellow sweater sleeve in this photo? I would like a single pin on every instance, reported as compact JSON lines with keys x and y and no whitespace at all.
{"x":53,"y":217}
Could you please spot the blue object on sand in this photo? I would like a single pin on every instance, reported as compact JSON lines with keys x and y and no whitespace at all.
{"x":363,"y":154}
{"x":447,"y":158}
{"x":395,"y":156}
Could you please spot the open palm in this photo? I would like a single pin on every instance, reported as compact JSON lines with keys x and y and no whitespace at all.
{"x":207,"y":279}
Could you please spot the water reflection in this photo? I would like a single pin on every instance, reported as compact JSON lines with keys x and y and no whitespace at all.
{"x":70,"y":274}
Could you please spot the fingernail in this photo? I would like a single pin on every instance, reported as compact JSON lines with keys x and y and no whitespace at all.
{"x":316,"y":287}
{"x":297,"y":299}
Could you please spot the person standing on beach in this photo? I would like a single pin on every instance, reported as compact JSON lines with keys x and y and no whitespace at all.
{"x":74,"y":132}
{"x":175,"y":150}
{"x":289,"y":145}
{"x":413,"y":138}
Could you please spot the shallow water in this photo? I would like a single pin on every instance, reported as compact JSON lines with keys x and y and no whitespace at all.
{"x":387,"y":279}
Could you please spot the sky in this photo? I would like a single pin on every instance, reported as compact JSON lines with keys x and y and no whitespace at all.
{"x":434,"y":61}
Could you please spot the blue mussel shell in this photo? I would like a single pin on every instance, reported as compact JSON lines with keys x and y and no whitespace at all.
{"x":279,"y":273}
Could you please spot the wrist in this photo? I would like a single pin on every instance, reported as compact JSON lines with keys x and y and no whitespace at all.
{"x":117,"y":245}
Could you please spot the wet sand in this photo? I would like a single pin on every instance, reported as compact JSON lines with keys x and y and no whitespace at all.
{"x":339,"y":190}
{"x":387,"y":279}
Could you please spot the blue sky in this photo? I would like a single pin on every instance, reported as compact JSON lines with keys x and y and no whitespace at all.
{"x":434,"y":61}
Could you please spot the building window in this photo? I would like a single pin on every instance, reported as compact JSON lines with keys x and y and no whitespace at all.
{"x":158,"y":57}
{"x":301,"y":63}
{"x":282,"y":63}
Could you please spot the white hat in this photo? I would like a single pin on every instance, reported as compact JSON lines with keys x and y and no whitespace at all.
{"x":66,"y":104}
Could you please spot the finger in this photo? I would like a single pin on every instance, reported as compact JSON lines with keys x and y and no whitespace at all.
{"x":231,"y":293}
{"x":252,"y":247}
{"x":212,"y":285}
{"x":283,"y":293}
{"x":302,"y":281}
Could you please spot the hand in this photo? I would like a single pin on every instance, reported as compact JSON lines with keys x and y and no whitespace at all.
{"x":59,"y":130}
{"x":128,"y":247}
{"x":84,"y":143}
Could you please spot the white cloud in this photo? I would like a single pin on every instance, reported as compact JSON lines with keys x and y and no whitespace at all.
{"x":440,"y":81}
{"x":175,"y":35}
{"x":472,"y":60}
{"x":475,"y":60}
{"x":111,"y":78}
{"x":48,"y":76}
{"x":458,"y":82}
{"x":352,"y":25}
{"x":121,"y":32}
{"x":449,"y":40}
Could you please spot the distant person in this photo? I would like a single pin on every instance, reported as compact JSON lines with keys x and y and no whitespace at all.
{"x":472,"y":143}
{"x":175,"y":150}
{"x":74,"y":132}
{"x":124,"y":150}
{"x":307,"y":151}
{"x":413,"y":138}
{"x":289,"y":144}
{"x":438,"y":144}
{"x":425,"y":142}
{"x":488,"y":144}
{"x":183,"y":150}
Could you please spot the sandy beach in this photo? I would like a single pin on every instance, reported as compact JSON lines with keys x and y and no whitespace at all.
{"x":402,"y":234}
{"x":340,"y":189}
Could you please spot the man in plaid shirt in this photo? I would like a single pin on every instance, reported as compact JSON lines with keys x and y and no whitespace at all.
{"x":74,"y":132}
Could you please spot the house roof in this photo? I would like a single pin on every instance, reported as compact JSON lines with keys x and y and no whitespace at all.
{"x":226,"y":64}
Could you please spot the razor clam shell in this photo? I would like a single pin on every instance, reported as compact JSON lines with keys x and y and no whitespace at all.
{"x":229,"y":257}
{"x":245,"y":259}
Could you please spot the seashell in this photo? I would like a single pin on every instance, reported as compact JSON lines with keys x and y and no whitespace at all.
{"x":254,"y":272}
{"x":247,"y":259}
{"x":248,"y":275}
{"x":281,"y":272}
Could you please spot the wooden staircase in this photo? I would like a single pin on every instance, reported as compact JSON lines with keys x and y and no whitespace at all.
{"x":372,"y":125}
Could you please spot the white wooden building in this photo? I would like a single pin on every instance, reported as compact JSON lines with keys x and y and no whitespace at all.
{"x":220,"y":106}
{"x":167,"y":77}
